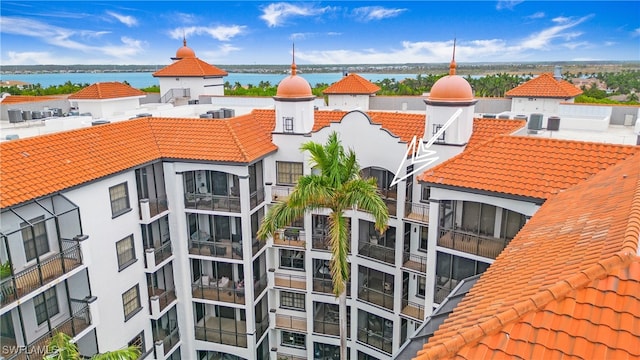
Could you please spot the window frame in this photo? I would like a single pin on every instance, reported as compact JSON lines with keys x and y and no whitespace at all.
{"x":118,"y":209}
{"x":35,"y":239}
{"x":289,"y":300}
{"x":131,"y":312}
{"x":125,"y":263}
{"x":295,"y":343}
{"x":288,"y":176}
{"x":421,"y":286}
{"x":287,"y":124}
{"x":292,"y":259}
{"x":435,"y":129}
{"x":138,"y":339}
{"x":47,"y":299}
{"x":423,"y":238}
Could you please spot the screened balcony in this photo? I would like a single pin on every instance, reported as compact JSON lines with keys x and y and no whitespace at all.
{"x":376,"y":287}
{"x":211,"y":190}
{"x":326,"y":319}
{"x":373,"y":245}
{"x":220,"y":324}
{"x":166,"y":330}
{"x":218,"y":281}
{"x":156,"y":239}
{"x":388,"y":193}
{"x":215,"y":235}
{"x":161,"y":289}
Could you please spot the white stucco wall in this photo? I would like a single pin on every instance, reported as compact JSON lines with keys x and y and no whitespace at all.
{"x":459,"y":132}
{"x":348,"y":102}
{"x":199,"y":85}
{"x":300,"y":111}
{"x":109,"y":107}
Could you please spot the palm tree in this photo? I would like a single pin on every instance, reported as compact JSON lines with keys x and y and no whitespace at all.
{"x":60,"y":347}
{"x":334,"y":184}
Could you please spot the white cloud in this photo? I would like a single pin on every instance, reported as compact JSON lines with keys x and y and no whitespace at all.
{"x":538,"y":15}
{"x":370,"y":13}
{"x":128,"y":20}
{"x":302,"y":36}
{"x":31,"y":58}
{"x":635,"y":32}
{"x":542,"y":39}
{"x":221,"y":33}
{"x":276,"y":14}
{"x":507,"y":4}
{"x":576,"y":45}
{"x":219,"y":54}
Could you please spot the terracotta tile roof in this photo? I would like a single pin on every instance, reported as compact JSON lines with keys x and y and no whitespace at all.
{"x":545,"y":85}
{"x":527,"y":166}
{"x":106,"y":90}
{"x":17,"y":99}
{"x":38,"y":166}
{"x":565,"y":287}
{"x":190,"y":67}
{"x":352,"y":84}
{"x":485,"y":130}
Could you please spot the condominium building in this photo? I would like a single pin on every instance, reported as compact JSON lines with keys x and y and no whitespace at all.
{"x":144,"y":231}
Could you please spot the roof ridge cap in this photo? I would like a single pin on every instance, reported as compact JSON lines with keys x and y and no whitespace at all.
{"x":553,"y":292}
{"x":236,"y":140}
{"x":150,"y":122}
{"x":631,"y":237}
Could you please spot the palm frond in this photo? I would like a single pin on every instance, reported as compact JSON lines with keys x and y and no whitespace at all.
{"x":129,"y":353}
{"x":364,"y":194}
{"x":279,"y":216}
{"x":339,"y":240}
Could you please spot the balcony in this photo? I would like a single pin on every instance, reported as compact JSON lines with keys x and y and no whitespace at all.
{"x":222,"y":249}
{"x":487,"y":246}
{"x":150,"y":208}
{"x":211,"y":329}
{"x":372,"y":250}
{"x":375,"y":339}
{"x":283,"y":356}
{"x":413,"y":310}
{"x":155,"y":256}
{"x":169,"y":338}
{"x":74,"y":325}
{"x":219,"y":290}
{"x":414,"y":262}
{"x":381,"y":297}
{"x":416,"y":211}
{"x":280,"y":192}
{"x":324,"y":284}
{"x":290,"y":322}
{"x":161,"y":298}
{"x":328,"y":322}
{"x":256,"y":197}
{"x":288,"y":281}
{"x":290,"y":237}
{"x":262,"y":327}
{"x":212,"y":202}
{"x":45,"y":271}
{"x":257,"y":244}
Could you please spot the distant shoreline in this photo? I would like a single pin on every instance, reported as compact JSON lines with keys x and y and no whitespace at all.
{"x":432,"y":68}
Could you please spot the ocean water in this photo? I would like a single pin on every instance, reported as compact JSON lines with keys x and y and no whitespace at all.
{"x":145,"y":79}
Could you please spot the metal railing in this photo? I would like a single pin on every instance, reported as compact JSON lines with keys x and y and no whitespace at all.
{"x":414,"y":262}
{"x":487,"y":246}
{"x":165,"y":297}
{"x":174,"y":94}
{"x":416,"y":211}
{"x":413,"y":309}
{"x":281,"y":356}
{"x":171,"y":339}
{"x":157,"y":206}
{"x":378,"y":252}
{"x":163,"y":252}
{"x":212,"y":202}
{"x":290,"y":237}
{"x":41,"y":273}
{"x":280,"y":192}
{"x":325,"y":285}
{"x":220,"y":336}
{"x":223,"y":249}
{"x":380,"y":297}
{"x":328,"y":323}
{"x":256,"y":197}
{"x":231,"y":294}
{"x":290,"y":281}
{"x":375,"y":339}
{"x":291,"y":322}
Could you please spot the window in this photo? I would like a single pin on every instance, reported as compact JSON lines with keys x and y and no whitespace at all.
{"x":46,"y":305}
{"x":421,"y":286}
{"x":424,"y":238}
{"x":288,"y":124}
{"x":131,"y":302}
{"x":291,"y":300}
{"x":293,"y":339}
{"x":426,"y":193}
{"x":436,"y":128}
{"x":512,"y":222}
{"x":119,"y":196}
{"x":292,"y":259}
{"x":478,"y":218}
{"x":36,"y":242}
{"x":288,"y":172}
{"x":138,"y":341}
{"x":126,"y":252}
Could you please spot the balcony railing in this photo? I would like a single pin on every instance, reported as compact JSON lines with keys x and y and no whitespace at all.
{"x":217,"y":335}
{"x":414,"y":262}
{"x":160,"y":253}
{"x":44,"y":272}
{"x":375,"y":339}
{"x":416,"y":211}
{"x":486,"y":246}
{"x":328,"y":323}
{"x":212,"y":202}
{"x":260,"y":285}
{"x":325,"y":285}
{"x":377,"y":252}
{"x":282,"y":356}
{"x":413,"y":309}
{"x":380,"y":297}
{"x":280,"y":192}
{"x":169,"y":337}
{"x":256,"y":197}
{"x":155,"y":206}
{"x":79,"y":321}
{"x":224,"y":249}
{"x":290,"y":237}
{"x":165,"y":297}
{"x":290,"y":281}
{"x":229,"y":293}
{"x":291,"y":322}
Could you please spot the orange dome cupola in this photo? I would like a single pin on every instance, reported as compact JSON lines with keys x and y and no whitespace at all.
{"x":184,"y":51}
{"x":451,"y":88}
{"x":294,"y":86}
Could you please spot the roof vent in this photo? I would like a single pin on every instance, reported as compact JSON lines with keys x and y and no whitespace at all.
{"x":99,"y":122}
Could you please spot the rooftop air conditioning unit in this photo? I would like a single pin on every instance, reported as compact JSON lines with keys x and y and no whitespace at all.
{"x":535,"y":123}
{"x":553,"y":123}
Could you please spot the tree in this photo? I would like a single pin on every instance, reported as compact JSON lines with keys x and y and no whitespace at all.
{"x":60,"y":347}
{"x":334,"y":184}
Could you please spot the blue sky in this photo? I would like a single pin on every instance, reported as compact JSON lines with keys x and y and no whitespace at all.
{"x":342,"y":32}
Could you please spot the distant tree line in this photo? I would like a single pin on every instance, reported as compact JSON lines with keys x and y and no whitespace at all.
{"x":625,"y":82}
